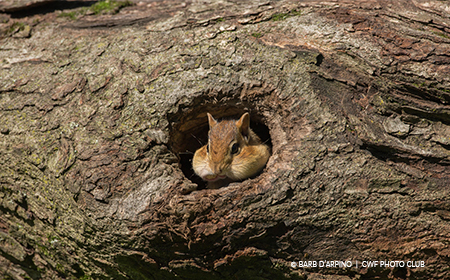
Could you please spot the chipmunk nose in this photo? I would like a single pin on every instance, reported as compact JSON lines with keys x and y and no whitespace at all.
{"x":217,"y":169}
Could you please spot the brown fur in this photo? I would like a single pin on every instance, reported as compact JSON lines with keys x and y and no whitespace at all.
{"x":220,"y":163}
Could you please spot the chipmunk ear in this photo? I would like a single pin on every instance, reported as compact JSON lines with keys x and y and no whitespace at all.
{"x":243,"y":125}
{"x":212,"y":122}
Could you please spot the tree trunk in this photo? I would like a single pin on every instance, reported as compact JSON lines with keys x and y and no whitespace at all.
{"x":101,"y":112}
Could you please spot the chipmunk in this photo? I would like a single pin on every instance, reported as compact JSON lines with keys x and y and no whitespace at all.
{"x":233,"y":153}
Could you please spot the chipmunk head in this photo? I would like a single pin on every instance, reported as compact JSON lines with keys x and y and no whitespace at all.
{"x":226,"y":139}
{"x":233,"y":151}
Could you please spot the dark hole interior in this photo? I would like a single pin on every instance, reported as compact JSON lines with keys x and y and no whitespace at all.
{"x":197,"y":138}
{"x":45,"y":7}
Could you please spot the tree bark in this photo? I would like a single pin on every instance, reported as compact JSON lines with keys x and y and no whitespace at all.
{"x":101,"y":113}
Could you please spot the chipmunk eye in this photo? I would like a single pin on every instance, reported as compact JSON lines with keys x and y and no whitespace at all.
{"x":234,"y":148}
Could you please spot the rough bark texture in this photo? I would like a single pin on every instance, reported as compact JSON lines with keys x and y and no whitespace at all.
{"x":100,"y":114}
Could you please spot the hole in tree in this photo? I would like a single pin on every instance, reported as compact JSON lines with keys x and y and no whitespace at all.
{"x":192,"y":133}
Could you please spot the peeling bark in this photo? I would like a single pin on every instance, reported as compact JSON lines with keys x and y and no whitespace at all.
{"x":98,"y":125}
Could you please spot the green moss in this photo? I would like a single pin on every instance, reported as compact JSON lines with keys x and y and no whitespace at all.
{"x":71,"y":15}
{"x":16,"y":27}
{"x":107,"y":6}
{"x":283,"y":16}
{"x":60,"y":268}
{"x":417,"y":85}
{"x":99,"y":8}
{"x":43,"y":250}
{"x":257,"y":35}
{"x":441,"y":34}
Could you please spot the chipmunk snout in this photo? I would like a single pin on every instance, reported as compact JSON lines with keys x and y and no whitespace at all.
{"x":217,"y":169}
